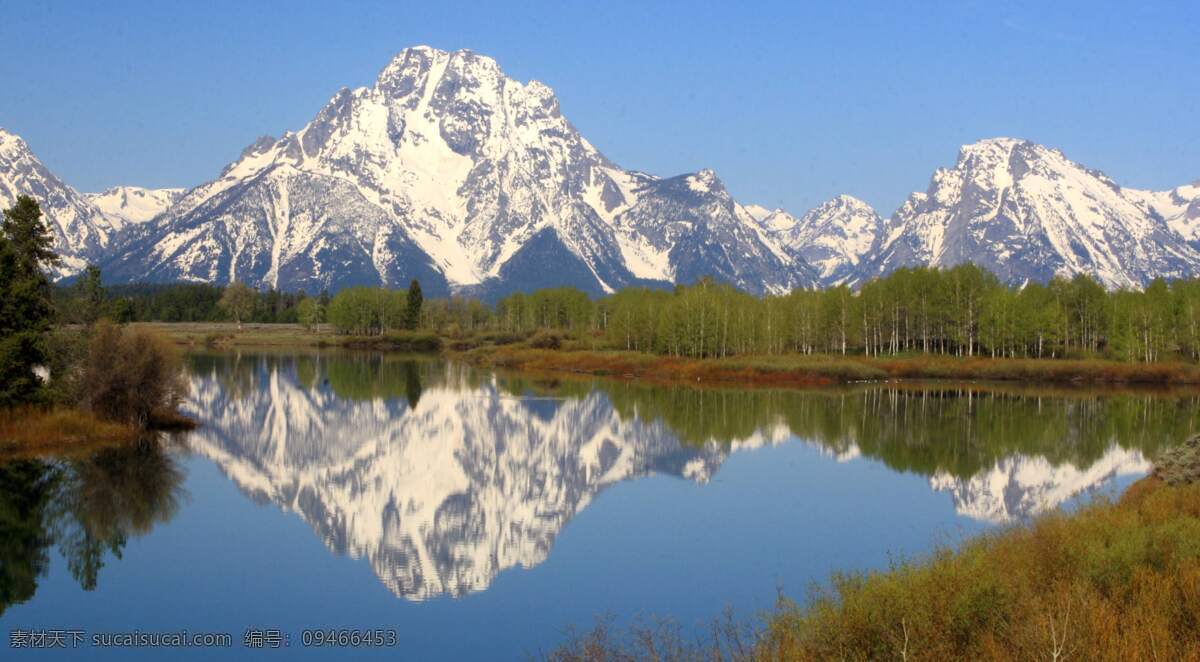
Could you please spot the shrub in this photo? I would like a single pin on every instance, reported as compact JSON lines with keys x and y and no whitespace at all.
{"x":130,"y":373}
{"x":546,"y":340}
{"x":414,"y":341}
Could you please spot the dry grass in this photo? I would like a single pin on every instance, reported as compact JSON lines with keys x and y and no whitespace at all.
{"x":1112,"y":582}
{"x":1040,"y":370}
{"x":31,"y":431}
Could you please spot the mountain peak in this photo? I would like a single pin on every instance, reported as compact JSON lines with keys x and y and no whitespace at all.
{"x":11,"y":142}
{"x":847,"y":200}
{"x":705,"y":181}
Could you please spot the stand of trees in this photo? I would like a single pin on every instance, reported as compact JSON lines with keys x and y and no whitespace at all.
{"x":961,"y":311}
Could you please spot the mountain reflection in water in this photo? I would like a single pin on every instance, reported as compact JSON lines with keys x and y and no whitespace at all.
{"x":442,"y":475}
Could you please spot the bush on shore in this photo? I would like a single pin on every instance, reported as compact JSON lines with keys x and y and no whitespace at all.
{"x":129,"y":374}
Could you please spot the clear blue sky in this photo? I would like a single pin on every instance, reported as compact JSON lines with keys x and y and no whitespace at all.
{"x":790,"y":103}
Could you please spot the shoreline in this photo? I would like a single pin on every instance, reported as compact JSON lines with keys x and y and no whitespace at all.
{"x":784,"y":370}
{"x":821,"y":370}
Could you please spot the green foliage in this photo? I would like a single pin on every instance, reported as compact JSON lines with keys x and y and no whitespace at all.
{"x":961,"y":311}
{"x":368,"y":311}
{"x":366,"y":377}
{"x":176,"y":302}
{"x":238,"y":301}
{"x":562,"y":308}
{"x":310,"y":313}
{"x":90,"y":297}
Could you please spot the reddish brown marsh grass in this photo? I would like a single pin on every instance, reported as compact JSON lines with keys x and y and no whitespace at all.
{"x":35,"y":431}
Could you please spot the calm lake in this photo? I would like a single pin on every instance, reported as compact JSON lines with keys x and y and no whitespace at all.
{"x":478,"y":515}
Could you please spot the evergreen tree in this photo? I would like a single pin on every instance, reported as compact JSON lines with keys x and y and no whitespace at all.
{"x":90,"y":296}
{"x":26,"y":306}
{"x":415,"y":301}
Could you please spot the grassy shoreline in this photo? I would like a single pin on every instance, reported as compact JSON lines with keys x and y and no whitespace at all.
{"x":222,"y":334}
{"x":64,"y":431}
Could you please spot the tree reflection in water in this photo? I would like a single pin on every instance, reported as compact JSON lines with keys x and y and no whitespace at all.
{"x":86,"y":508}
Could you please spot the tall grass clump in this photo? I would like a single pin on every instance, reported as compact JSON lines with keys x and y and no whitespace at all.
{"x":130,"y":373}
{"x":1111,"y":582}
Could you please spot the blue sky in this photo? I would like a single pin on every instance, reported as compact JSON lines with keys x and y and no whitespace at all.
{"x":790,"y":103}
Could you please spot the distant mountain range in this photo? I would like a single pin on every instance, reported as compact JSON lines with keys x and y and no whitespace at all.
{"x":449,"y":171}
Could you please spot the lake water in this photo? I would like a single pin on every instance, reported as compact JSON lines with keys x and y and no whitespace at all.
{"x":478,"y":515}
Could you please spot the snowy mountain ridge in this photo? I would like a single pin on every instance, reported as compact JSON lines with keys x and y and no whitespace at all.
{"x":449,"y":171}
{"x":125,"y":205}
{"x":1019,"y":487}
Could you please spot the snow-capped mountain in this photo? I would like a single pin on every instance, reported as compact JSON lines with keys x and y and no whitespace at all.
{"x":833,"y":237}
{"x":81,"y":231}
{"x":1021,"y":486}
{"x":449,"y":171}
{"x":125,"y":205}
{"x":1026,"y":212}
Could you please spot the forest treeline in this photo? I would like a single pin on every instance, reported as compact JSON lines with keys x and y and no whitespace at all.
{"x":960,"y":311}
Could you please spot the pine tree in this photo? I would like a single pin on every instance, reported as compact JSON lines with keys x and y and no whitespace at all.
{"x":90,"y":295}
{"x":26,"y":306}
{"x":415,"y":300}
